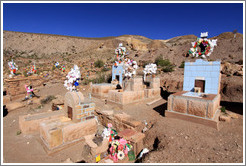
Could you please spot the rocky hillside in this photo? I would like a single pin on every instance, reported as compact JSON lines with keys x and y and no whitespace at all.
{"x":46,"y":49}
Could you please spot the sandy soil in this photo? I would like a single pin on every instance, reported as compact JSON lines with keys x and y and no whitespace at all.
{"x":170,"y":140}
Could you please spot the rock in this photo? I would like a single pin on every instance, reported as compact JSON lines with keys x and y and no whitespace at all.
{"x":230,"y":69}
{"x":68,"y":160}
{"x":238,"y":73}
{"x":225,"y":118}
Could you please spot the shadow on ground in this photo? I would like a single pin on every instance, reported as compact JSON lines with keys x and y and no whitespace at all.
{"x":161,"y":109}
{"x":5,"y":111}
{"x":233,"y":106}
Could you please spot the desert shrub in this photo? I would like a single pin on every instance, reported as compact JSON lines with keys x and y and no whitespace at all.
{"x":18,"y":132}
{"x":168,"y":68}
{"x":99,"y":63}
{"x":165,"y":64}
{"x":40,"y":106}
{"x":101,"y":78}
{"x":86,"y":81}
{"x":105,"y":69}
{"x":182,"y":65}
{"x":223,"y":109}
{"x":162,"y":62}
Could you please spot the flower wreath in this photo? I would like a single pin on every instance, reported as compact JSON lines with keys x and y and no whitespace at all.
{"x":206,"y":43}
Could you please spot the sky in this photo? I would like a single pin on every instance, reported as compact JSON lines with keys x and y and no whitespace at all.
{"x":155,"y":21}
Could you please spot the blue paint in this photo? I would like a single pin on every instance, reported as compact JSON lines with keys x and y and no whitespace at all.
{"x":209,"y":71}
{"x":118,"y":70}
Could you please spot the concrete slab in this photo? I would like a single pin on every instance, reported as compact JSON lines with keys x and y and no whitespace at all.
{"x":214,"y":123}
{"x":30,"y":123}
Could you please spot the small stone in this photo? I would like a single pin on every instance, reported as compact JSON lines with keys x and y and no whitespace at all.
{"x":68,"y":160}
{"x":225,"y":118}
{"x":27,"y":143}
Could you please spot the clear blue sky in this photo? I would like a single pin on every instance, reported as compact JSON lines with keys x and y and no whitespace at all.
{"x":155,"y":21}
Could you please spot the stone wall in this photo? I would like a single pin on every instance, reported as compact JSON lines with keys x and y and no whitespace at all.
{"x":84,"y":111}
{"x":15,"y":87}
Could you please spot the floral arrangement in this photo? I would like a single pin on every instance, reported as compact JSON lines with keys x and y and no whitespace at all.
{"x":206,"y":47}
{"x":72,"y":79}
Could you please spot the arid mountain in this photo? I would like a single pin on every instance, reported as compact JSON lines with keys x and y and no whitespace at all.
{"x":46,"y":49}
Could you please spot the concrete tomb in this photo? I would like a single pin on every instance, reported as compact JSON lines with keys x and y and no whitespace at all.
{"x":64,"y":127}
{"x":200,"y":99}
{"x":133,"y":90}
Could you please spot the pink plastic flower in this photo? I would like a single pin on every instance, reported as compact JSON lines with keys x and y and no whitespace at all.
{"x":123,"y":141}
{"x":109,"y":125}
